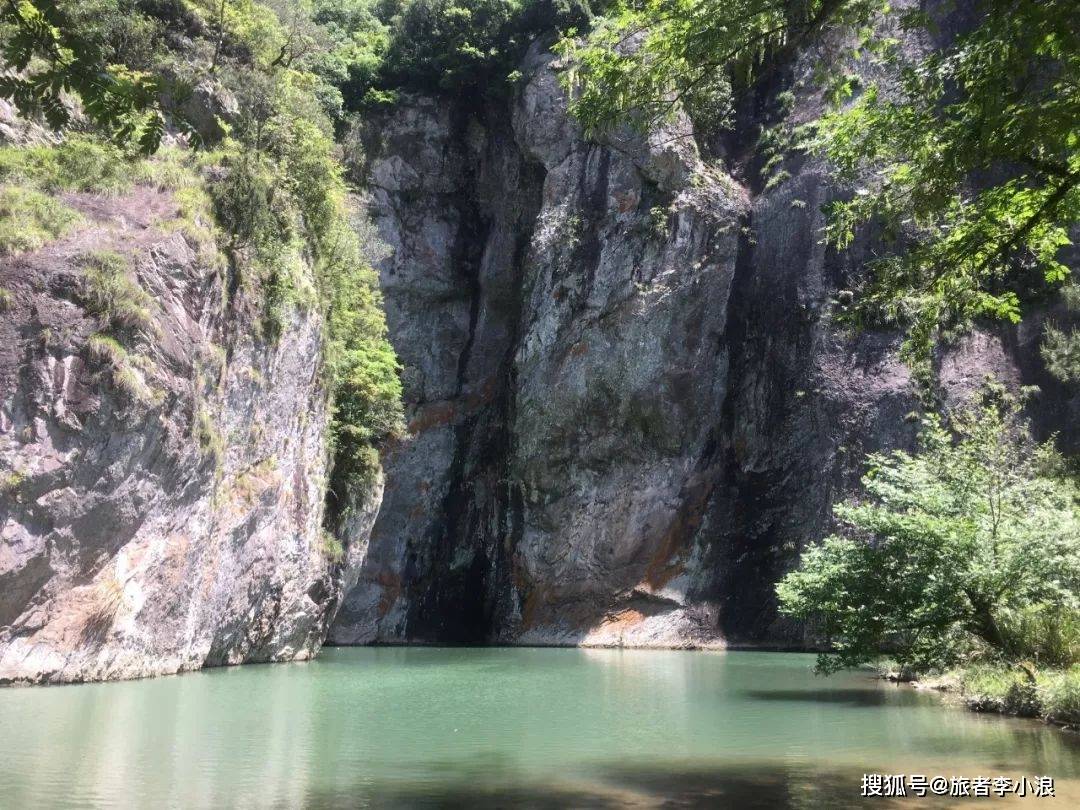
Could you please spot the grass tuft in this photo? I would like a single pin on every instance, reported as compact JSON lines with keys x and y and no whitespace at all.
{"x":331,"y":547}
{"x":127,"y":377}
{"x":107,"y":350}
{"x":30,"y":219}
{"x":113,"y":295}
{"x":1060,"y":695}
{"x":79,"y":163}
{"x":207,"y":434}
{"x":999,"y":689}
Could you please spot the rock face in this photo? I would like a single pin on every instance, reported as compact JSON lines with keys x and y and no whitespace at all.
{"x":630,"y":407}
{"x":162,"y":505}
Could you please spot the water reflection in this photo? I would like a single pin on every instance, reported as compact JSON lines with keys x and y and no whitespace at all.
{"x":495,"y":727}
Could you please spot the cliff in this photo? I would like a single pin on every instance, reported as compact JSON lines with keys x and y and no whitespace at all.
{"x":630,"y":403}
{"x":164,"y":464}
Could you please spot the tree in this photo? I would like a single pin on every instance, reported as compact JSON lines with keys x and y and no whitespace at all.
{"x":968,"y":157}
{"x":647,"y":58}
{"x":1061,"y":346}
{"x":47,"y":57}
{"x":972,"y":165}
{"x":450,"y":44}
{"x":948,"y":548}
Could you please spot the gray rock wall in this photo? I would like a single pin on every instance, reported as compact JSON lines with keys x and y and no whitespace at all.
{"x":178,"y":527}
{"x":630,"y":406}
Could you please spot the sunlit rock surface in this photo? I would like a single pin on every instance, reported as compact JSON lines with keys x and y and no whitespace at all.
{"x":174,"y":521}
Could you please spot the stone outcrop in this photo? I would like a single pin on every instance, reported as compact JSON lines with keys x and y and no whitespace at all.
{"x":161,"y":507}
{"x":630,"y":405}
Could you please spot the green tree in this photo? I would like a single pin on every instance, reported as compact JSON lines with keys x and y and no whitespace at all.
{"x":1061,"y":346}
{"x":449,"y":43}
{"x":972,"y":165}
{"x":645,"y":59}
{"x":48,"y":54}
{"x":948,"y":548}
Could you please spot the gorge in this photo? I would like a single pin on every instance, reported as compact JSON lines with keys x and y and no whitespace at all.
{"x":630,"y":404}
{"x":552,"y":390}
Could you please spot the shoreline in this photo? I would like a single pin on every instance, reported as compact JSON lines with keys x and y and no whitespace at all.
{"x":950,"y":686}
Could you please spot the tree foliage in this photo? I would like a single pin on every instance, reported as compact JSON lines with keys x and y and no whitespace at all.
{"x":1061,"y":346}
{"x":972,"y":165}
{"x":967,"y":157}
{"x":951,"y":548}
{"x":462,"y":45}
{"x":48,"y":57}
{"x":648,"y":58}
{"x":284,"y":204}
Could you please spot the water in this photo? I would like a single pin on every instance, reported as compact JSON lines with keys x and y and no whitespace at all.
{"x":425,"y":727}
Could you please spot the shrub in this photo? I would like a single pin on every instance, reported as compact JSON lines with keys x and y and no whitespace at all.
{"x":1000,"y":689}
{"x":331,"y":547}
{"x":78,"y":163}
{"x":1061,"y":347}
{"x":1061,"y":353}
{"x":1060,"y":695}
{"x":113,"y":295}
{"x":207,"y":434}
{"x":977,"y":530}
{"x":29,"y":219}
{"x":11,"y":483}
{"x":1050,"y":637}
{"x":6,"y":299}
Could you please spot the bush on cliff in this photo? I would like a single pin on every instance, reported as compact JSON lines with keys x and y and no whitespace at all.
{"x":269,"y":175}
{"x":948,"y":550}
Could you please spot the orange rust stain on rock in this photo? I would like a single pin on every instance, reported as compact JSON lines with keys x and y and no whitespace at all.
{"x":436,"y":414}
{"x":578,"y":349}
{"x":626,"y":201}
{"x":664,"y":566}
{"x":483,"y":395}
{"x":391,"y":590}
{"x":622,"y":620}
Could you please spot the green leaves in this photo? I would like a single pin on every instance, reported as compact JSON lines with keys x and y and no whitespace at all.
{"x":947,"y":546}
{"x":52,"y":59}
{"x":283,"y":201}
{"x":647,"y":59}
{"x":966,"y":159}
{"x":971,"y":168}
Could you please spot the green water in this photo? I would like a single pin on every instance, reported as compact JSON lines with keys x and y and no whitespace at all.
{"x":420,"y":727}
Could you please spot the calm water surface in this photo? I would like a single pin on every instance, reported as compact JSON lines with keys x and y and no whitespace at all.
{"x":423,"y":727}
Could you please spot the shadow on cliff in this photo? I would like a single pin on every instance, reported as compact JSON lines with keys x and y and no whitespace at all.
{"x":742,"y":785}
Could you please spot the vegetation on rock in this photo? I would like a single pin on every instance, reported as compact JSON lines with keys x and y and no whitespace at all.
{"x":965,"y":552}
{"x":113,"y":295}
{"x":966,"y":159}
{"x":268,"y":174}
{"x":30,"y":219}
